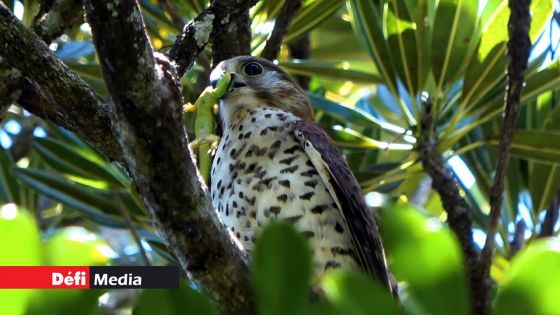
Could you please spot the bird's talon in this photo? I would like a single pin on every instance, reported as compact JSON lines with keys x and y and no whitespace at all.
{"x":189,"y":108}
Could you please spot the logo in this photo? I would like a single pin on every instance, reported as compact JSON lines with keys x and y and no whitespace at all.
{"x":86,"y":277}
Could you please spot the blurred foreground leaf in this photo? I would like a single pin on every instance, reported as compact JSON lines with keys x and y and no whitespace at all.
{"x":184,"y":300}
{"x":532,"y":285}
{"x":426,"y":255}
{"x":281,"y":270}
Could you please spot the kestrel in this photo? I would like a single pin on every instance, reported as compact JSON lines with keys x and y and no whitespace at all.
{"x":274,"y":163}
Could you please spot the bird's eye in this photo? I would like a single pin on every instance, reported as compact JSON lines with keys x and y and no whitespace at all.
{"x":252,"y":68}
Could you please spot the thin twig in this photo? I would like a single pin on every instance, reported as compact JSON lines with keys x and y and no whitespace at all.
{"x":519,"y":46}
{"x":274,"y":42}
{"x":518,"y":238}
{"x":551,"y":217}
{"x":130,"y":225}
{"x":301,"y":49}
{"x":57,"y":16}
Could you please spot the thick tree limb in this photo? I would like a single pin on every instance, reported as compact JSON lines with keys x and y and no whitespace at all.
{"x":519,"y":47}
{"x":196,"y":34}
{"x":59,"y":16}
{"x":234,"y":38}
{"x":147,"y":105}
{"x":65,"y":98}
{"x":11,"y":81}
{"x":443,"y":181}
{"x":274,"y":42}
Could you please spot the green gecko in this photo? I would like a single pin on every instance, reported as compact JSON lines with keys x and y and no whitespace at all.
{"x":205,"y":124}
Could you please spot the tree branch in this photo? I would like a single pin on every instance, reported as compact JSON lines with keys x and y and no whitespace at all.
{"x":63,"y":96}
{"x":443,"y":181}
{"x":274,"y":42}
{"x":61,"y":15}
{"x":519,"y":47}
{"x":147,"y":106}
{"x":301,"y":49}
{"x":233,"y":39}
{"x":11,"y":81}
{"x":196,"y":34}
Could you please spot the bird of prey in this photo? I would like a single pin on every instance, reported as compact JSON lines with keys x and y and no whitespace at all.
{"x":274,"y":163}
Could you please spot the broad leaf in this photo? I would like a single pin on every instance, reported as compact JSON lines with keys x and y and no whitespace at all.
{"x":453,"y":28}
{"x":436,"y":277}
{"x":281,"y":270}
{"x":184,"y":300}
{"x":532,"y":284}
{"x":356,"y":294}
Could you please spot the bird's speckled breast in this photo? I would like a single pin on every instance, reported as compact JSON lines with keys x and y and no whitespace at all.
{"x":260,"y":173}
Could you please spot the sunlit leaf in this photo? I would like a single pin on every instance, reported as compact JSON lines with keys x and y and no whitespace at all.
{"x":534,"y":145}
{"x":67,"y":160}
{"x":453,"y":28}
{"x":544,"y":180}
{"x":400,"y":35}
{"x":436,"y":278}
{"x":71,"y":246}
{"x":310,"y":16}
{"x":367,"y":20}
{"x":533,"y":282}
{"x":85,"y":199}
{"x":330,"y":70}
{"x":21,"y":246}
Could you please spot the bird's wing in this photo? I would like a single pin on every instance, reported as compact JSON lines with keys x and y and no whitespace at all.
{"x":344,"y":189}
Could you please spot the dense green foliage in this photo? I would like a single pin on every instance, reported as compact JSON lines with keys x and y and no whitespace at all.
{"x":372,"y":64}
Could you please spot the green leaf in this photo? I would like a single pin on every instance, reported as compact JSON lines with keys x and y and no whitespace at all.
{"x":88,"y":200}
{"x":544,"y":180}
{"x":69,"y":161}
{"x":71,"y":246}
{"x":330,"y":70}
{"x":401,"y":37}
{"x":367,"y":20}
{"x":532,"y":284}
{"x":21,"y":246}
{"x":533,"y":145}
{"x":426,"y":255}
{"x":356,"y":294}
{"x":352,"y":115}
{"x":184,"y":300}
{"x":9,"y":187}
{"x":281,"y":270}
{"x":487,"y":66}
{"x":453,"y":28}
{"x":349,"y":138}
{"x":310,"y":16}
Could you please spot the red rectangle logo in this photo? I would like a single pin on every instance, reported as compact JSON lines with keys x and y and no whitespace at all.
{"x":44,"y":277}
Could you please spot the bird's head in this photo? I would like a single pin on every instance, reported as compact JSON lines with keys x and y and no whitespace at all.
{"x":256,"y":82}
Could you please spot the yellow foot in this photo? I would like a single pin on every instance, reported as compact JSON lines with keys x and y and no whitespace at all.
{"x":189,"y":108}
{"x":211,"y":140}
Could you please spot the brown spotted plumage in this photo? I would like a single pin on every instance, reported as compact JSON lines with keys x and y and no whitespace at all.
{"x":273,"y":163}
